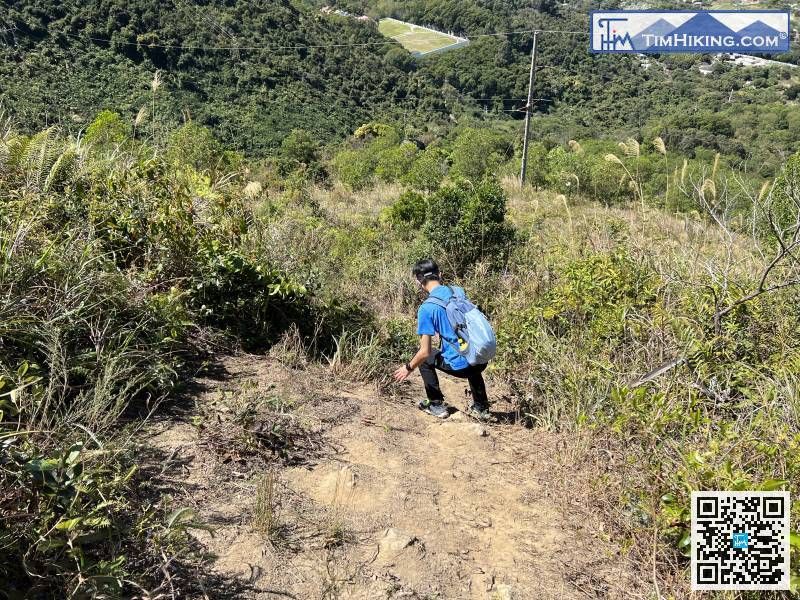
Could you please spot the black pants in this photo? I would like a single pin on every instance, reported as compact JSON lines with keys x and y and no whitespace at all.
{"x":472,"y":373}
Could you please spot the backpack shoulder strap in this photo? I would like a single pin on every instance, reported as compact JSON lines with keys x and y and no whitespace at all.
{"x":457,"y":292}
{"x":436,"y":301}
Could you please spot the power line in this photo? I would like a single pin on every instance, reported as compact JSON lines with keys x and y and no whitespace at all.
{"x":298,"y":46}
{"x":208,"y":19}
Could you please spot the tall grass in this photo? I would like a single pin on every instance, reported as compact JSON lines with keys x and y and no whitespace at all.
{"x":119,"y":260}
{"x":117,"y":265}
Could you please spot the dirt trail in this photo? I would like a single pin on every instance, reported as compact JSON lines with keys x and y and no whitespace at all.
{"x":396,"y":505}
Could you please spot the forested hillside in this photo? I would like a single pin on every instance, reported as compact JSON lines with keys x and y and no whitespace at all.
{"x":63,"y":62}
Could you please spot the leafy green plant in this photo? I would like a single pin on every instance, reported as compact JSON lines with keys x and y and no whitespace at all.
{"x":601,"y":290}
{"x":231,"y":290}
{"x":477,"y":153}
{"x":407,"y":211}
{"x":393,"y":163}
{"x":355,"y":168}
{"x":465,"y":224}
{"x":194,"y":145}
{"x":108,"y":131}
{"x":428,"y":170}
{"x":78,"y":493}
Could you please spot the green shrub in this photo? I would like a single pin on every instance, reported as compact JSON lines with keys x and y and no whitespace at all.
{"x":536,"y":173}
{"x":78,"y":493}
{"x":355,"y":168}
{"x":567,"y":171}
{"x":465,"y":224}
{"x":602,"y":291}
{"x":407,"y":211}
{"x":300,"y":152}
{"x":195,"y":146}
{"x":108,"y":130}
{"x":395,"y":162}
{"x":785,"y":201}
{"x":428,"y":170}
{"x":232,"y":291}
{"x":299,"y":147}
{"x":478,"y":152}
{"x":380,"y":135}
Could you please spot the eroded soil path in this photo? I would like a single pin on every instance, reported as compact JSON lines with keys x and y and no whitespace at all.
{"x":386,"y":501}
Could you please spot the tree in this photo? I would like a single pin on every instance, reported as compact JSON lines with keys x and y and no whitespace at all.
{"x":466,"y":224}
{"x":107,"y":130}
{"x":299,"y":148}
{"x":478,"y":152}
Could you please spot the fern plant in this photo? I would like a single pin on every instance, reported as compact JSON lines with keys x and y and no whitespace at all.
{"x":45,"y":162}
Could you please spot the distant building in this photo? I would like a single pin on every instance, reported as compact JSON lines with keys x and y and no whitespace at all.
{"x":330,"y":10}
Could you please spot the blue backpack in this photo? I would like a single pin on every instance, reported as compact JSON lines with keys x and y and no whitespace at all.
{"x":475,"y":337}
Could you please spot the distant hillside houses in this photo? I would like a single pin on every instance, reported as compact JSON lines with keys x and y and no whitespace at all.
{"x":329,"y":10}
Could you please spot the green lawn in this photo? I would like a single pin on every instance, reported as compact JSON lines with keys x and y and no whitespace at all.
{"x":414,"y":38}
{"x":392,"y":27}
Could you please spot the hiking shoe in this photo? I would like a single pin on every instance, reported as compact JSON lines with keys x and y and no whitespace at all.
{"x":438,"y":410}
{"x":480,"y":412}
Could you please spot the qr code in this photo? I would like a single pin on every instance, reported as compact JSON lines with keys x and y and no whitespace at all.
{"x":740,"y":540}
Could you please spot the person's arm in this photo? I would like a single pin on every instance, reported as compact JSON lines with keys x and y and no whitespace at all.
{"x":420,"y":357}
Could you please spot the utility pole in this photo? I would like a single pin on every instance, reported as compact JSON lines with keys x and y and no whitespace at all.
{"x":528,"y":109}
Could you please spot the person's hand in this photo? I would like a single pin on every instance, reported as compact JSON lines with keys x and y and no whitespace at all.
{"x":401,"y":373}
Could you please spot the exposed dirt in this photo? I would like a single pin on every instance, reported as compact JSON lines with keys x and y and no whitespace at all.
{"x":384,"y":501}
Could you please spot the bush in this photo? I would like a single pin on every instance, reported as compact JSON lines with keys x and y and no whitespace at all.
{"x":231,"y":291}
{"x":396,"y":162}
{"x":566,"y":171}
{"x":785,"y":198}
{"x":194,"y":145}
{"x":300,"y":147}
{"x":479,"y":152}
{"x":536,"y":173}
{"x":601,"y":290}
{"x":428,"y":171}
{"x":107,"y":130}
{"x":465,"y":224}
{"x":407,"y":211}
{"x":355,"y":168}
{"x":300,"y":151}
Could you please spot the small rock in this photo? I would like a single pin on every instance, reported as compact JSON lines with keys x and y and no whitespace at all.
{"x":502,"y":592}
{"x":393,"y":542}
{"x":478,"y":430}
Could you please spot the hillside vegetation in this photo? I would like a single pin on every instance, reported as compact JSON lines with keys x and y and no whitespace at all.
{"x":64,"y":62}
{"x":664,"y":342}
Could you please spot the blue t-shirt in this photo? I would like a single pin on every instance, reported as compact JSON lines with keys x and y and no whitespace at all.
{"x":432,"y":319}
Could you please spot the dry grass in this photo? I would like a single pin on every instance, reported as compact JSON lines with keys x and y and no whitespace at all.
{"x":343,"y":204}
{"x":265,"y":510}
{"x":290,"y":350}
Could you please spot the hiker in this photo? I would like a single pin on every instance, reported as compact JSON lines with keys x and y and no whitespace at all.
{"x":463,"y":355}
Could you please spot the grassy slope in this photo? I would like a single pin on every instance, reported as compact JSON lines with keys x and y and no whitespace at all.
{"x":576,"y":327}
{"x":155,"y":255}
